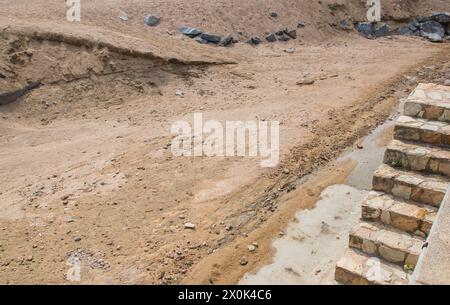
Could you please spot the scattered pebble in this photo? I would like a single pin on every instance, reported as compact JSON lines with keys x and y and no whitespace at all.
{"x":151,"y":20}
{"x":251,"y":248}
{"x":189,"y":225}
{"x":290,"y":50}
{"x":243,"y":261}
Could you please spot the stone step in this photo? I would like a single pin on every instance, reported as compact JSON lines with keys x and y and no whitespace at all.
{"x":420,"y":158}
{"x":421,"y":130}
{"x":429,"y":101}
{"x":357,"y":268}
{"x":410,"y":185}
{"x":392,"y":245}
{"x":402,"y":214}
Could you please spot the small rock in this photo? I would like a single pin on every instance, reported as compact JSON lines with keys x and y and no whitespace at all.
{"x":243,"y":261}
{"x":228,"y":40}
{"x":179,"y":93}
{"x":255,"y":244}
{"x":77,"y":238}
{"x":151,"y":20}
{"x":365,"y":28}
{"x":273,"y":15}
{"x":432,"y":30}
{"x":409,"y":29}
{"x":300,"y":25}
{"x":345,"y":25}
{"x":381,"y":30}
{"x":201,"y":40}
{"x":211,"y":38}
{"x":447,"y":82}
{"x":251,"y":248}
{"x":283,"y":38}
{"x":270,"y":37}
{"x":292,"y":34}
{"x":30,"y":258}
{"x":305,"y":82}
{"x":190,"y":32}
{"x":228,"y":227}
{"x":189,"y":226}
{"x":433,"y":37}
{"x":254,"y":41}
{"x":441,"y":17}
{"x":123,"y":16}
{"x":290,"y":50}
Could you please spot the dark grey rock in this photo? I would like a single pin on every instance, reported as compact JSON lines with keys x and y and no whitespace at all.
{"x":254,"y":41}
{"x":421,"y":19}
{"x":200,"y":40}
{"x":432,"y":29}
{"x":409,"y":29}
{"x":345,"y":25}
{"x":292,"y":34}
{"x":271,"y":37}
{"x":442,"y":18}
{"x":151,"y":20}
{"x":282,"y":38}
{"x":191,"y":32}
{"x":365,"y":28}
{"x":273,"y":15}
{"x":279,"y":33}
{"x":447,"y":29}
{"x":381,"y":30}
{"x":9,"y":97}
{"x":433,"y":37}
{"x":211,"y":38}
{"x":228,"y":40}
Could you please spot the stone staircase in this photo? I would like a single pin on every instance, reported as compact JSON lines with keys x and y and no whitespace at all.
{"x":408,"y":189}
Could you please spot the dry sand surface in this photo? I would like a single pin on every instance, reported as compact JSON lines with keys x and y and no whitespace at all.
{"x":86,"y":168}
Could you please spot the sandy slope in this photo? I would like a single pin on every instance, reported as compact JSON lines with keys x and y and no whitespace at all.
{"x":97,"y":132}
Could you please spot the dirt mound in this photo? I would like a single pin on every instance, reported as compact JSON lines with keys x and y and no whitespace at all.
{"x":241,"y":18}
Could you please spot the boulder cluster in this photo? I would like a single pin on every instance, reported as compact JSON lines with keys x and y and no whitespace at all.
{"x":435,"y":28}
